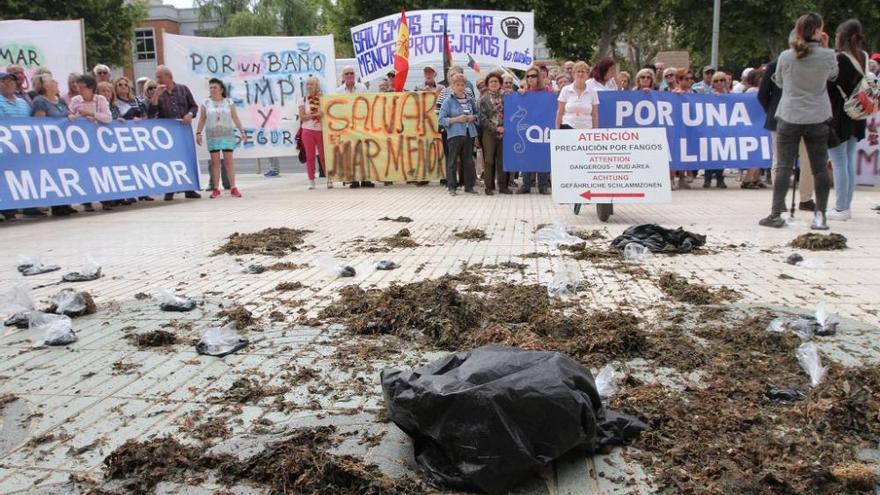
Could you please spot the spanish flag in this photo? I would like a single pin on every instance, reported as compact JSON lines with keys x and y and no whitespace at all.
{"x":473,"y":65}
{"x":401,"y":54}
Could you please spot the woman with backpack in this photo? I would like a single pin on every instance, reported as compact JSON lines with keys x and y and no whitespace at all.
{"x":852,"y":64}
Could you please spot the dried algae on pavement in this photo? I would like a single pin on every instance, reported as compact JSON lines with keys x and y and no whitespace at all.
{"x":819,"y":242}
{"x":273,"y":242}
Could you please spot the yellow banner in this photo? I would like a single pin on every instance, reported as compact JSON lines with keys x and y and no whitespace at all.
{"x":383,"y":137}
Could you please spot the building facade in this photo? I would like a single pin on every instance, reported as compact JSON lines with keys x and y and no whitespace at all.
{"x":148,"y":46}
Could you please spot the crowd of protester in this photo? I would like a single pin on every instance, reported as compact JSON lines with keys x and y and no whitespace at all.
{"x":804,"y":114}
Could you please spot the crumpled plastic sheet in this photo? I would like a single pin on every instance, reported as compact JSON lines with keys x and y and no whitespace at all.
{"x":556,"y":234}
{"x":18,"y":302}
{"x":29,"y":266}
{"x":636,"y":253}
{"x":221,"y":341}
{"x":808,"y":357}
{"x":69,"y":302}
{"x":170,"y":302}
{"x":90,"y":270}
{"x":386,"y":265}
{"x":492,"y":417}
{"x":58,"y":328}
{"x":565,"y":282}
{"x":605,"y":382}
{"x":659,"y":239}
{"x":330,"y":264}
{"x":822,"y":324}
{"x":783,"y":395}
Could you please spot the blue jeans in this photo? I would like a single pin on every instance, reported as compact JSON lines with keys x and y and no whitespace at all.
{"x":543,"y":180}
{"x":843,"y":162}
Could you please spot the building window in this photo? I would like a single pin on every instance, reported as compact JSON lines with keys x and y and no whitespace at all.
{"x":144,"y":44}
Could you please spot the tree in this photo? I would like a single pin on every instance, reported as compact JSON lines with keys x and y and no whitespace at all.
{"x":756,"y":31}
{"x":108,"y":23}
{"x":261,"y":17}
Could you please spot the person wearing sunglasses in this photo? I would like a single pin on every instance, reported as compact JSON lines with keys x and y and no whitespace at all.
{"x":645,"y":80}
{"x":534,"y":81}
{"x":102,"y":73}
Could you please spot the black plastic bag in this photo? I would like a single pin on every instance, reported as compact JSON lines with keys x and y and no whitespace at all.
{"x":221,"y":341}
{"x":794,"y":259}
{"x":783,"y":395}
{"x":490,"y":418}
{"x":659,"y":239}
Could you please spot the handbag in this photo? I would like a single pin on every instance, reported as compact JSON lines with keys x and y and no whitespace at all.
{"x":865,"y":97}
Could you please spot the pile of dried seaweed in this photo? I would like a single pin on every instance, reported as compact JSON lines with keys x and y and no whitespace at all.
{"x":240,"y":315}
{"x":819,"y":242}
{"x":678,"y":288}
{"x":297,"y":464}
{"x":398,"y":219}
{"x":460,"y":312}
{"x":155,"y":338}
{"x":272,"y":241}
{"x":727,"y":436}
{"x":472,"y":235}
{"x":246,"y":390}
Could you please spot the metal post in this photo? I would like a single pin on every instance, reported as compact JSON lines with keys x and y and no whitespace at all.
{"x":716,"y":28}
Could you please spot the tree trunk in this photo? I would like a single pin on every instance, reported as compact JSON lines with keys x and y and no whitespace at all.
{"x":606,"y":40}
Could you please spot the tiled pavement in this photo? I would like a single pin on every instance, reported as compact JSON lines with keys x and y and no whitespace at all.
{"x":91,"y":406}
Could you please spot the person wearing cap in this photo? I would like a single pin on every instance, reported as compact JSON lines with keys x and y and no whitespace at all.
{"x":11,"y":106}
{"x":430,"y":83}
{"x":139,"y":86}
{"x":20,"y":81}
{"x":705,"y":86}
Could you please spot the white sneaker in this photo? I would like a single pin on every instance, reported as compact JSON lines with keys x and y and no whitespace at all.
{"x":311,"y":184}
{"x":839,"y":214}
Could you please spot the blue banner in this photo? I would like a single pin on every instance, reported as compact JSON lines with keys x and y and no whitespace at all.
{"x":528,"y":119}
{"x":704,"y":131}
{"x":52,"y":161}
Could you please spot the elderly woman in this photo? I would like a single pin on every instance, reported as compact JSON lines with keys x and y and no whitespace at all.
{"x":72,"y":88}
{"x":684,"y":81}
{"x":535,"y":82}
{"x":578,"y":102}
{"x":720,"y":87}
{"x":94,"y":108}
{"x":562,"y":81}
{"x":218,"y":119}
{"x":105,"y":89}
{"x":668,"y":83}
{"x":507,"y":83}
{"x":624,"y":81}
{"x":49,"y":103}
{"x":128,"y":107}
{"x":492,"y":125}
{"x":645,"y":80}
{"x":312,"y":137}
{"x":458,"y":115}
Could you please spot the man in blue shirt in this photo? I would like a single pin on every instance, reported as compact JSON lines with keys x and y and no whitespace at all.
{"x":11,"y":105}
{"x":705,"y":86}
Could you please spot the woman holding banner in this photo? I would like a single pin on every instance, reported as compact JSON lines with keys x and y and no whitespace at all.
{"x":49,"y":103}
{"x":458,"y":115}
{"x":803,"y":72}
{"x":312,"y":137}
{"x":217,"y":116}
{"x":492,"y":124}
{"x":645,"y":80}
{"x":93,"y":107}
{"x":535,"y":82}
